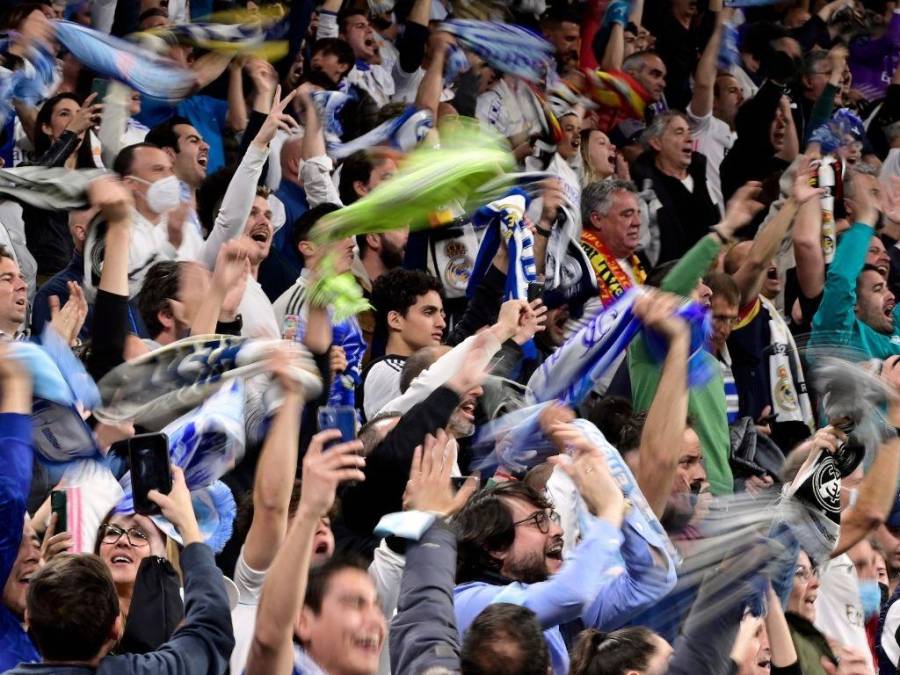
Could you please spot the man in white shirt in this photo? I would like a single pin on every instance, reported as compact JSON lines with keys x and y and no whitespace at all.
{"x":712,"y":111}
{"x":189,"y":153}
{"x":371,"y":72}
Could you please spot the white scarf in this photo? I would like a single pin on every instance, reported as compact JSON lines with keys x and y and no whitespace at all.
{"x":790,"y":403}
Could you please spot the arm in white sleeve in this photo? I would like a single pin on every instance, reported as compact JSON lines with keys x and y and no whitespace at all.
{"x":316,"y":176}
{"x":440,"y":372}
{"x":328,"y":25}
{"x":103,"y":13}
{"x":236,"y":204}
{"x":114,"y":121}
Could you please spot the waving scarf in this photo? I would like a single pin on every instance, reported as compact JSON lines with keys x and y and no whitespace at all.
{"x":34,"y":82}
{"x":400,"y":133}
{"x":255,"y":35}
{"x":617,"y":89}
{"x":510,"y":49}
{"x":155,"y":388}
{"x":206,"y":443}
{"x":504,"y":220}
{"x":126,"y":62}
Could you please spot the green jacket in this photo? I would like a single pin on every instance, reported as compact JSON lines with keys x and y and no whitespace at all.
{"x":706,"y":404}
{"x":835,"y":323}
{"x":810,"y":644}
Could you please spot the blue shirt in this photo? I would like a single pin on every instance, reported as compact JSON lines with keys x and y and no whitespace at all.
{"x":56,"y":285}
{"x":592,"y":586}
{"x":16,"y":457}
{"x":205,"y":113}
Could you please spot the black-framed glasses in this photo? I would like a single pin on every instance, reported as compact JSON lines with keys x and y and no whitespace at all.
{"x":541,"y":520}
{"x":136,"y":537}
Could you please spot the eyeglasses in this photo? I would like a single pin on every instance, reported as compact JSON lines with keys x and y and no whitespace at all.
{"x":541,"y":520}
{"x":136,"y":537}
{"x":806,"y":574}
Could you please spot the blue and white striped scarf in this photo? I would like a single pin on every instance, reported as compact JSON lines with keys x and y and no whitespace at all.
{"x":126,"y":62}
{"x":401,"y":133}
{"x":510,"y":49}
{"x":237,"y":37}
{"x":505,"y":220}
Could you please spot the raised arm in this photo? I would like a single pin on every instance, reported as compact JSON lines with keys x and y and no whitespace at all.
{"x":667,"y":416}
{"x":275,"y":473}
{"x":836,"y":311}
{"x":316,"y":169}
{"x":705,"y":74}
{"x":285,"y":586}
{"x":808,"y":254}
{"x":429,"y":95}
{"x":750,"y":276}
{"x":238,"y":199}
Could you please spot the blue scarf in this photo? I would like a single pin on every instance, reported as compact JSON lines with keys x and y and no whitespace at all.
{"x":505,"y":219}
{"x":126,"y":62}
{"x":400,"y":133}
{"x":510,"y":49}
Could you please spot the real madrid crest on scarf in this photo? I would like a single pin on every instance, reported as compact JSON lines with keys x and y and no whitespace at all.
{"x":457,"y":264}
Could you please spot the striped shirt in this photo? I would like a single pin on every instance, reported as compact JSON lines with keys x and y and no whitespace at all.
{"x":732,"y":407}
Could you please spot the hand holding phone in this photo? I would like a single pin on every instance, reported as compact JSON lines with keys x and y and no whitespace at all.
{"x":342,"y":418}
{"x":58,"y":505}
{"x":150,"y":470}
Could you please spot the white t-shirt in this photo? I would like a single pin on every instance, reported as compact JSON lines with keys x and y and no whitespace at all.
{"x":713,"y":138}
{"x":382,"y":384}
{"x":257,"y":313}
{"x":839,"y":613}
{"x":249,"y":583}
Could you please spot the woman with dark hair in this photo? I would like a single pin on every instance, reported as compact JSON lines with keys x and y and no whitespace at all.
{"x":61,"y":135}
{"x":637,"y":651}
{"x":61,"y":139}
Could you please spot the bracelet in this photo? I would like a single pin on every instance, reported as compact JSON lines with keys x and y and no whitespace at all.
{"x":722,"y":239}
{"x":541,"y":231}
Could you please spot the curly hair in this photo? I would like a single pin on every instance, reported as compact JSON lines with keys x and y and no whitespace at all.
{"x":397,"y":291}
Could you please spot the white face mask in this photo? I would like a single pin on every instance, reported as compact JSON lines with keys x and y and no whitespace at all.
{"x":163,"y":195}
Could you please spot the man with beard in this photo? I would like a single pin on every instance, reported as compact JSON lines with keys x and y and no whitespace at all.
{"x":562,"y":28}
{"x":857,"y":307}
{"x":510,"y":550}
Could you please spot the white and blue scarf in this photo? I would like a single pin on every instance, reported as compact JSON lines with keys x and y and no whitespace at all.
{"x":510,"y":49}
{"x":504,"y":219}
{"x":401,"y":133}
{"x":206,"y":443}
{"x":126,"y":62}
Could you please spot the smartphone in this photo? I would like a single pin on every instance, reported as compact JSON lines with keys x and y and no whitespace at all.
{"x":58,"y":503}
{"x":150,"y":470}
{"x":99,"y":87}
{"x":342,"y":418}
{"x":535,"y":290}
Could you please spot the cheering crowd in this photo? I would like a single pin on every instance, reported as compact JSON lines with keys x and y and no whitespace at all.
{"x":488,"y":337}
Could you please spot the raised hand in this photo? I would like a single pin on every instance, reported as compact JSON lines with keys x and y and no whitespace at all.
{"x":658,"y":311}
{"x":112,"y":198}
{"x":276,"y":119}
{"x":87,"y":116}
{"x":69,"y":320}
{"x":802,"y":190}
{"x":429,"y":487}
{"x":323,"y":471}
{"x":532,"y":319}
{"x":55,"y":543}
{"x":740,"y":209}
{"x":589,"y":471}
{"x":177,"y":507}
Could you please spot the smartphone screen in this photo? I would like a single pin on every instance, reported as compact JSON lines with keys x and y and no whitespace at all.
{"x":342,"y":418}
{"x":99,"y":87}
{"x":58,"y":504}
{"x":150,"y":469}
